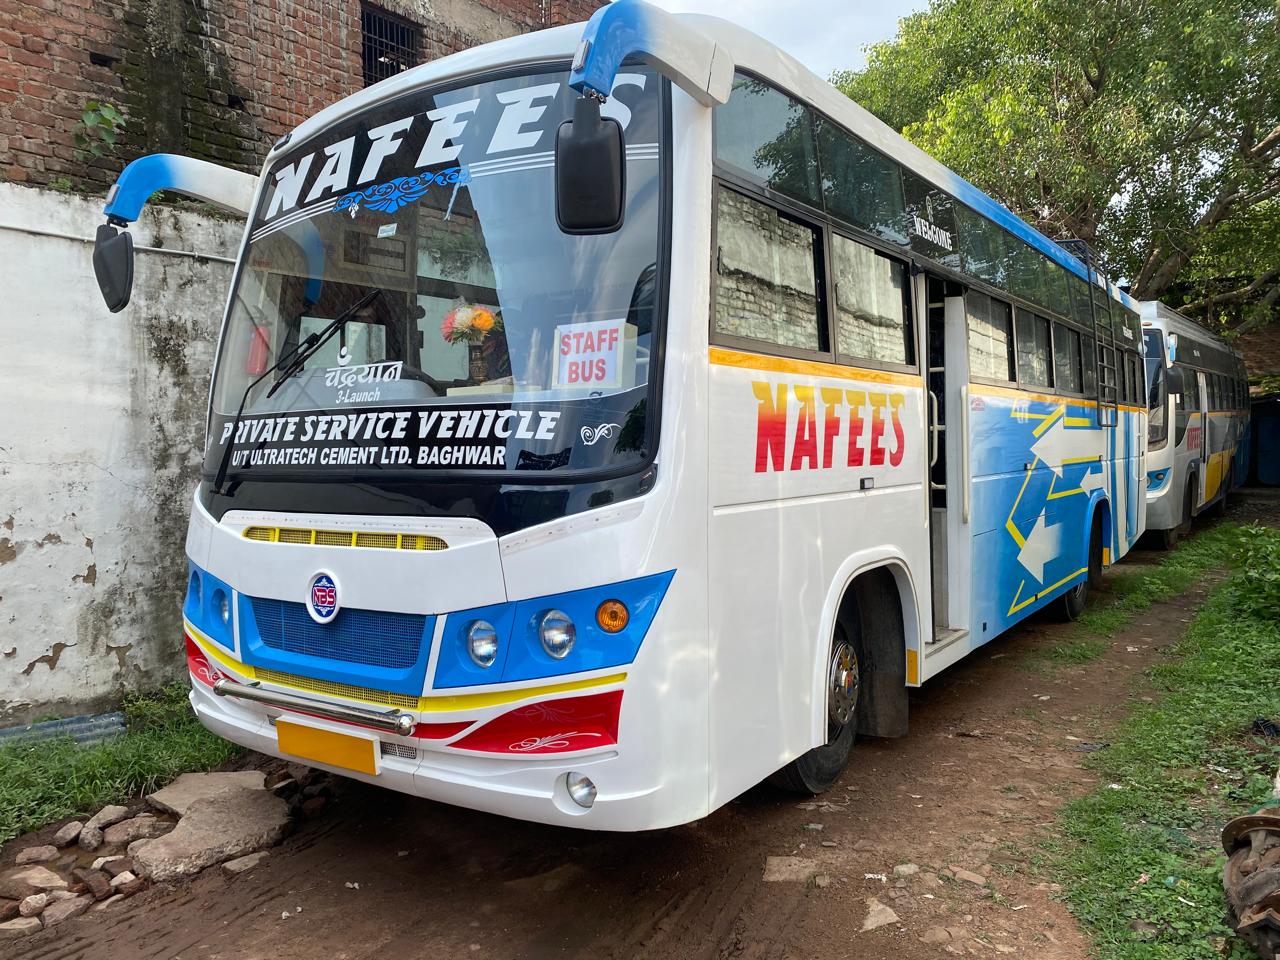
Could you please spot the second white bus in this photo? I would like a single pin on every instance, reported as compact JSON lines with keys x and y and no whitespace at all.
{"x":1198,"y":422}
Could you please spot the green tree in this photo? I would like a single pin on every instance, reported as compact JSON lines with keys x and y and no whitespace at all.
{"x":1148,"y":128}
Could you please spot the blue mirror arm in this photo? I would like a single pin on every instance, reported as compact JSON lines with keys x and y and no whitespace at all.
{"x":627,"y":28}
{"x":231,"y":190}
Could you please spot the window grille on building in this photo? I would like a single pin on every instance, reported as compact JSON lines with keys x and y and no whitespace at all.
{"x":389,"y":45}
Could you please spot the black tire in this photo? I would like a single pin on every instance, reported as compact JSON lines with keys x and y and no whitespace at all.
{"x":1168,"y":539}
{"x":1071,"y":604}
{"x":815,"y":771}
{"x":1188,"y":508}
{"x":1219,"y":508}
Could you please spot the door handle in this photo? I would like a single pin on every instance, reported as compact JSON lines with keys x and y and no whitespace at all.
{"x":933,"y":429}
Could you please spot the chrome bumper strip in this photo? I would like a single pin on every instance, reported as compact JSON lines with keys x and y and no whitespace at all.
{"x":392,"y":721}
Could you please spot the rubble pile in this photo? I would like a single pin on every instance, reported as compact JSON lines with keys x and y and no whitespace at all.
{"x":199,"y":821}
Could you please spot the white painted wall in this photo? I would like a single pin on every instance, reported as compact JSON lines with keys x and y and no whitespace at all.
{"x":101,"y":433}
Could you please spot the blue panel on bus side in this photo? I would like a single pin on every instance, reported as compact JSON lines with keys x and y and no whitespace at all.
{"x":525,"y":658}
{"x":363,"y":648}
{"x":202,"y":605}
{"x":1036,"y":480}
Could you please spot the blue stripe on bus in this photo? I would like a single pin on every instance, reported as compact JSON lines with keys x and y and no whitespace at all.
{"x":993,"y":210}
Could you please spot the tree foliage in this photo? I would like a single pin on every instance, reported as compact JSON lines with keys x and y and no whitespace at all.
{"x":1149,"y":128}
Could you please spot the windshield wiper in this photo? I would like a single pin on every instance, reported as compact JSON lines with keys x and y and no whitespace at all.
{"x":290,"y":363}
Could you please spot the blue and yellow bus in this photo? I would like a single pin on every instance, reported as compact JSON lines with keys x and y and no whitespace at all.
{"x":607,"y":419}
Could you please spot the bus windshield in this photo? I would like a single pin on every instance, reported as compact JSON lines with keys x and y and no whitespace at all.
{"x":1157,"y":415}
{"x":475,"y":335}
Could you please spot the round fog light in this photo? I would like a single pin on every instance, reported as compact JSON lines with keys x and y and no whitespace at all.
{"x":558,"y":634}
{"x":581,"y":789}
{"x":482,"y":643}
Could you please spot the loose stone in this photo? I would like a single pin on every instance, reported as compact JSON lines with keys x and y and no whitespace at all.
{"x":68,"y":834}
{"x":98,"y":883}
{"x":14,"y":929}
{"x":56,"y":913}
{"x":41,"y":854}
{"x":878,"y":915}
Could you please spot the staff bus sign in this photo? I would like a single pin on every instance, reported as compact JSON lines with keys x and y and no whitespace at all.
{"x":590,"y":354}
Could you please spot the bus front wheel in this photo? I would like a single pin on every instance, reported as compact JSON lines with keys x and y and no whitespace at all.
{"x":815,"y":771}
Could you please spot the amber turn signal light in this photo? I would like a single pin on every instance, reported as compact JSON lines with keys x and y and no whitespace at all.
{"x":612,"y":616}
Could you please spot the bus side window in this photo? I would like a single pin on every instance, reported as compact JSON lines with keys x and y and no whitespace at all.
{"x":767,"y":137}
{"x":1034,"y":349}
{"x":766,"y":285}
{"x":983,"y":245}
{"x":871,"y":301}
{"x":1089,"y":354}
{"x":859,"y":185}
{"x":1066,"y":359}
{"x":990,"y":337}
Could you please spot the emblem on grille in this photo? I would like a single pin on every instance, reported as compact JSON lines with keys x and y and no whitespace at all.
{"x":322,"y":598}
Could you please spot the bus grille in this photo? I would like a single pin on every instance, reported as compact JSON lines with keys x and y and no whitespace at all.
{"x":346,"y":538}
{"x":403,"y":751}
{"x":330,"y":689}
{"x":372,"y":637}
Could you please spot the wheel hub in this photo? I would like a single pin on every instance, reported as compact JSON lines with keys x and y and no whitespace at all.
{"x":843,"y":680}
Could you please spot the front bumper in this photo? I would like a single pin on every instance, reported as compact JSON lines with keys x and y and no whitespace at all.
{"x":526,"y":786}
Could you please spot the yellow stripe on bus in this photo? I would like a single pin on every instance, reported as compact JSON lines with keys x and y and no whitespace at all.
{"x":809,"y":368}
{"x":1047,"y":590}
{"x":1013,"y":392}
{"x":441,"y":704}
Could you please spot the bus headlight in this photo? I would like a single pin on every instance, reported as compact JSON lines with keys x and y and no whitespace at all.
{"x":223,"y":605}
{"x":558,"y":634}
{"x":482,"y":643}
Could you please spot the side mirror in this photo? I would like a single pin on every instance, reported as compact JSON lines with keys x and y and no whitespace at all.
{"x":590,"y":171}
{"x":113,"y":266}
{"x":1173,"y":381}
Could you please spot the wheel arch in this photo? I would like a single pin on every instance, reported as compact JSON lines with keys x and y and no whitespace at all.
{"x":1099,"y":508}
{"x":882,"y":578}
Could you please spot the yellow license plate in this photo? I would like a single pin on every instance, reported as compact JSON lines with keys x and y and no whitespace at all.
{"x":325,"y":746}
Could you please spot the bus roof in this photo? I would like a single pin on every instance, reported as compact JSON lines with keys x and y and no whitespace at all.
{"x":1161,"y":315}
{"x":749,"y":52}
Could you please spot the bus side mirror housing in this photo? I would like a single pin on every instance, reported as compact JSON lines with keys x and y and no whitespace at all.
{"x":113,"y":266}
{"x":590,"y":171}
{"x":1173,"y":381}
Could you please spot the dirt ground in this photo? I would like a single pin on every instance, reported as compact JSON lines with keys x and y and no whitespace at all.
{"x":997,"y":744}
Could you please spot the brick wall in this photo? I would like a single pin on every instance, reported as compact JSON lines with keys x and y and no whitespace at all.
{"x":217,"y":79}
{"x":1261,"y":348}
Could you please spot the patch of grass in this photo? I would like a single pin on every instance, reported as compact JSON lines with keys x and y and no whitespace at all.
{"x":1142,"y":849}
{"x":1075,"y":651}
{"x":1130,"y":591}
{"x":46,"y":781}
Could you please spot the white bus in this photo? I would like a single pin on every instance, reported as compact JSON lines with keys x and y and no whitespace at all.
{"x":1198,"y":424}
{"x":607,"y":419}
